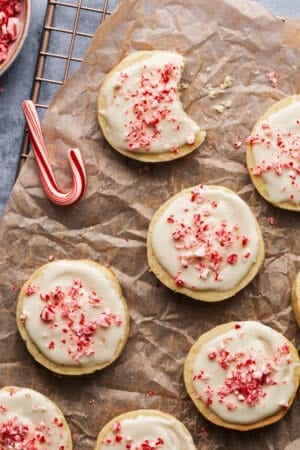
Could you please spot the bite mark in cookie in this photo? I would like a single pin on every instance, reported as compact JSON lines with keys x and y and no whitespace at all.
{"x":139,"y":109}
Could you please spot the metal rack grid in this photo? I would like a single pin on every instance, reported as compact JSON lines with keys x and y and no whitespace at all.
{"x":68,"y":29}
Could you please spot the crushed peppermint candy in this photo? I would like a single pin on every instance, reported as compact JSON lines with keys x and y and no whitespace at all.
{"x":179,"y":280}
{"x":151,"y":106}
{"x":18,"y":435}
{"x":31,"y":289}
{"x":9,"y":25}
{"x":242,"y":374}
{"x":148,"y":430}
{"x":142,"y":108}
{"x":238,"y":143}
{"x":26,"y":425}
{"x":206,"y":239}
{"x":13,"y":432}
{"x":63,"y":309}
{"x":132,"y":444}
{"x":205,"y":244}
{"x":276,"y":155}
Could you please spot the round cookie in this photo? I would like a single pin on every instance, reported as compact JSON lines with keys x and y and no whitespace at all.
{"x":273,"y":154}
{"x":73,"y":317}
{"x":31,"y":421}
{"x":205,"y":243}
{"x":242,"y":375}
{"x":295,"y":297}
{"x":145,"y":429}
{"x":140,"y":112}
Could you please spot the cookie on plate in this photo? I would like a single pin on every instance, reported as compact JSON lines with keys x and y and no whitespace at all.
{"x":273,"y":154}
{"x":73,"y":317}
{"x":205,"y":243}
{"x":295,"y":296}
{"x":242,"y":375}
{"x":145,"y":429}
{"x":29,"y":420}
{"x":140,"y":112}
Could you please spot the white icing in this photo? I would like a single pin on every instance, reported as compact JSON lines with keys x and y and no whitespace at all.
{"x":262,"y":345}
{"x":282,"y":182}
{"x":35,"y":417}
{"x":72,"y":346}
{"x":190,"y":259}
{"x":136,"y":99}
{"x":134,"y":431}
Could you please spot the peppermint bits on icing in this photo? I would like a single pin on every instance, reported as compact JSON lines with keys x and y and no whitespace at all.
{"x":145,"y":430}
{"x":244,"y":373}
{"x":30,"y":421}
{"x":273,"y":155}
{"x":205,"y":239}
{"x":73,"y":317}
{"x":140,"y":111}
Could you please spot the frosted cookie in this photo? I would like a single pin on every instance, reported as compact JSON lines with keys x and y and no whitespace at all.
{"x":205,"y":243}
{"x":273,"y":154}
{"x":145,"y":429}
{"x":30,"y":421}
{"x":73,"y":317}
{"x":140,"y":112}
{"x":242,"y":375}
{"x":295,"y":296}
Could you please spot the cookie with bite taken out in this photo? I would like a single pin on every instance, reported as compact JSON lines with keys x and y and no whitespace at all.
{"x":139,"y":108}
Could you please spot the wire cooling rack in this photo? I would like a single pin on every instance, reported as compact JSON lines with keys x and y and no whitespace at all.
{"x":68,"y":29}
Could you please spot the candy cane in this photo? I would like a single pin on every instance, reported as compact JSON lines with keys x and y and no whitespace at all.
{"x":42,"y":159}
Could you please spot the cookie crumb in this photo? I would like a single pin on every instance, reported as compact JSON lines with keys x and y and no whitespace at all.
{"x":219,"y":108}
{"x":214,"y":91}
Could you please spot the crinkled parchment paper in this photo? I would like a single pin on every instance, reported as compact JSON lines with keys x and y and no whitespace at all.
{"x":218,"y":38}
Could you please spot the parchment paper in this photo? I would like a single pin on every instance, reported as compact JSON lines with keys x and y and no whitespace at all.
{"x":218,"y":38}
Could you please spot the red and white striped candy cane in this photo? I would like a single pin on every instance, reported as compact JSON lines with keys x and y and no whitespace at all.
{"x":46,"y":174}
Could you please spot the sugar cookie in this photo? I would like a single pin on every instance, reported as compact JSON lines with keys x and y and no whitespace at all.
{"x":242,"y":375}
{"x":73,"y":317}
{"x":205,"y":243}
{"x":31,"y":421}
{"x":140,"y":112}
{"x":145,"y":429}
{"x":273,"y":154}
